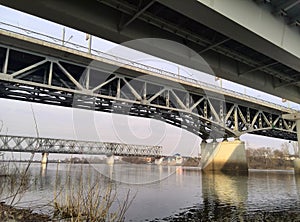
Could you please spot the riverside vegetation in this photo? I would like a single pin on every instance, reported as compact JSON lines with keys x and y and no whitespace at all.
{"x":87,"y":202}
{"x":268,"y":158}
{"x":76,"y":197}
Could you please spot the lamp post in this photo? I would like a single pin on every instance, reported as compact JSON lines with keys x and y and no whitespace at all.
{"x":64,"y":37}
{"x":219,"y":79}
{"x":88,"y":38}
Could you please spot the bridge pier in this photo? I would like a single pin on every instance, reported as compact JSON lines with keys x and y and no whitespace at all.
{"x":227,"y":156}
{"x":158,"y":161}
{"x":110,"y":160}
{"x":45,"y":158}
{"x":295,"y":117}
{"x":297,"y":160}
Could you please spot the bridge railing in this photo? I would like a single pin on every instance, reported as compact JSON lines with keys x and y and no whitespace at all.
{"x":175,"y":76}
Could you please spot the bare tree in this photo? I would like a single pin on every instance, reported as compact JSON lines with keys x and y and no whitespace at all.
{"x":24,"y":174}
{"x":1,"y":127}
{"x":285,"y":148}
{"x":295,"y":148}
{"x":278,"y":153}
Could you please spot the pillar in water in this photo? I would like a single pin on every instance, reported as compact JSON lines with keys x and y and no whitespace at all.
{"x":297,"y":160}
{"x":45,"y":158}
{"x":295,"y":117}
{"x":110,"y":160}
{"x":229,"y":156}
{"x":158,"y":161}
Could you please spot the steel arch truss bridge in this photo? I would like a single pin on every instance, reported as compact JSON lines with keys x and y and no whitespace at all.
{"x":126,"y":87}
{"x":49,"y":145}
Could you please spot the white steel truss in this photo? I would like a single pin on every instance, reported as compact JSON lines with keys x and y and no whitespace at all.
{"x":39,"y":78}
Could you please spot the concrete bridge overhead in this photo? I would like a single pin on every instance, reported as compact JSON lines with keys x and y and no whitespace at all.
{"x":255,"y":43}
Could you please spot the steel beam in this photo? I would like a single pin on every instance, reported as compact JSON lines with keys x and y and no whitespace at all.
{"x":259,"y":68}
{"x":287,"y":5}
{"x":135,"y":16}
{"x":214,"y":45}
{"x":5,"y":64}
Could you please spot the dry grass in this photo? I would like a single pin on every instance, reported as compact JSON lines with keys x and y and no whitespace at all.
{"x":14,"y":182}
{"x":78,"y":196}
{"x":84,"y":198}
{"x":19,"y":177}
{"x":81,"y":200}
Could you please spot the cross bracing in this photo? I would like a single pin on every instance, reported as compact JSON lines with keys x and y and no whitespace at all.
{"x":247,"y":45}
{"x":200,"y":108}
{"x":50,"y":145}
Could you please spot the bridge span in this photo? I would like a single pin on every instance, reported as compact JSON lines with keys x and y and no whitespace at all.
{"x":251,"y":42}
{"x":52,"y":145}
{"x":39,"y":71}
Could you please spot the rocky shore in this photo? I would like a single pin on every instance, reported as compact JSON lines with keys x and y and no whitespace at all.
{"x":12,"y":214}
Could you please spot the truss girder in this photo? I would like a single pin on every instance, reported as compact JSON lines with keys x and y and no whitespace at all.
{"x":50,"y":145}
{"x":59,"y":82}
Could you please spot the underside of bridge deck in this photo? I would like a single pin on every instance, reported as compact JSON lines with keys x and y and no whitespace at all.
{"x":232,"y":50}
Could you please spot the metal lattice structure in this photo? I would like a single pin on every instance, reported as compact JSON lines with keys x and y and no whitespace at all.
{"x":130,"y":88}
{"x":50,"y":145}
{"x":240,"y":40}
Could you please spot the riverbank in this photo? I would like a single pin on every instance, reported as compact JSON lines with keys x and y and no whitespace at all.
{"x":195,"y":214}
{"x":13,"y":214}
{"x":270,"y":163}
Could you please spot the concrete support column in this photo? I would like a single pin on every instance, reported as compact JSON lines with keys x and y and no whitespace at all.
{"x":295,"y":117}
{"x":227,"y":156}
{"x":158,"y":161}
{"x":110,"y":160}
{"x":45,"y":158}
{"x":297,"y":160}
{"x":298,"y":135}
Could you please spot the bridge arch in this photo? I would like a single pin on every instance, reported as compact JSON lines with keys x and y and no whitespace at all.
{"x":57,"y":81}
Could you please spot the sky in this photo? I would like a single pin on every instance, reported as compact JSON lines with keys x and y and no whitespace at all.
{"x":68,"y":123}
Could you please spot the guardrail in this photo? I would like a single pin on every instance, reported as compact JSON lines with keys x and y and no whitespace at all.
{"x":175,"y":76}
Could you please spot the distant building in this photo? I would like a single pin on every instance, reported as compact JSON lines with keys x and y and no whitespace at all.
{"x":173,"y":160}
{"x":178,"y":159}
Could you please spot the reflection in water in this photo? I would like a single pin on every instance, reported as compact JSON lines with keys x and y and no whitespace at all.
{"x":43,"y":169}
{"x":224,"y":195}
{"x":138,"y":174}
{"x":176,"y":193}
{"x":297,"y":182}
{"x":43,"y":176}
{"x":179,"y":173}
{"x":228,"y":189}
{"x":110,"y":172}
{"x":261,"y":196}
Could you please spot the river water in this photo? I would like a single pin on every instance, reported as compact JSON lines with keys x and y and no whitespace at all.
{"x":173,"y":193}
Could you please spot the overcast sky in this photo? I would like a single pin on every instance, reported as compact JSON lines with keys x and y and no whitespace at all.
{"x":68,"y":123}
